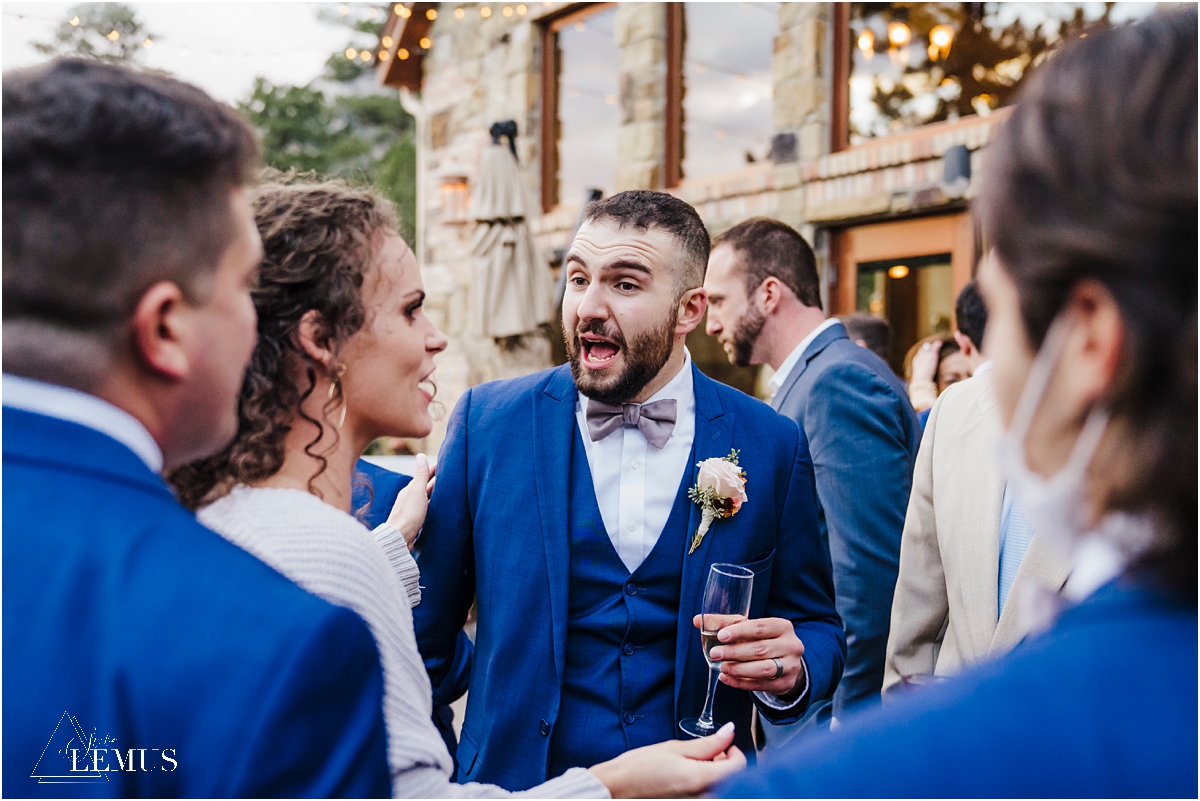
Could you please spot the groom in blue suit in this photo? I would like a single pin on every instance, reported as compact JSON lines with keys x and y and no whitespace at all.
{"x":562,"y":508}
{"x":145,"y":655}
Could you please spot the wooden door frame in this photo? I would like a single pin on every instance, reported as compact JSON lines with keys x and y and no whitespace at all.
{"x":943,"y":233}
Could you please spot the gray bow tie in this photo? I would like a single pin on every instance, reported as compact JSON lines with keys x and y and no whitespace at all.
{"x":655,"y":420}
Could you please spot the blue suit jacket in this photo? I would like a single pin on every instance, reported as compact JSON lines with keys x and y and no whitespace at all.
{"x":498,"y":530}
{"x":863,"y":435}
{"x":128,"y":625}
{"x":1056,"y":718}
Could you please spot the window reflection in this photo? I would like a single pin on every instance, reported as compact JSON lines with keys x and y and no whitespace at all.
{"x":727,"y":85}
{"x":916,"y":63}
{"x":587,"y":106}
{"x":915,"y":295}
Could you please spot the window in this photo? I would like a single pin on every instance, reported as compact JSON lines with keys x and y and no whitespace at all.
{"x":582,"y":117}
{"x":917,"y":63}
{"x":915,"y":296}
{"x":727,"y":85}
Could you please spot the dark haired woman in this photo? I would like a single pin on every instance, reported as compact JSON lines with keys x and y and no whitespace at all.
{"x":344,"y":355}
{"x":1090,"y":201}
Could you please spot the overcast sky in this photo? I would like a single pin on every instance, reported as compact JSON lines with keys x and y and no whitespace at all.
{"x":221,"y":47}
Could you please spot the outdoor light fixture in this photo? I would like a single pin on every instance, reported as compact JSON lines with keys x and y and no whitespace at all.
{"x":898,"y":34}
{"x":942,"y":36}
{"x":866,"y":42}
{"x":898,"y":272}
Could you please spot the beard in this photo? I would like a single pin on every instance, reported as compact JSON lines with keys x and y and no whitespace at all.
{"x":645,"y":356}
{"x":745,"y":334}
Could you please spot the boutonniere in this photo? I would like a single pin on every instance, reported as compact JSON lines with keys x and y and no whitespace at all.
{"x":719,"y":492}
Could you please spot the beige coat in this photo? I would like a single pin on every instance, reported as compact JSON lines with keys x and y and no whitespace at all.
{"x":944,"y":614}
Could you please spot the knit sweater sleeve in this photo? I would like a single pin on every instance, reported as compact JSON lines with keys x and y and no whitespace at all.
{"x":400,"y":558}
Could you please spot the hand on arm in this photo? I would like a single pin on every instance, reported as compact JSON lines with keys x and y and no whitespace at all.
{"x":408,"y":512}
{"x":672,"y":769}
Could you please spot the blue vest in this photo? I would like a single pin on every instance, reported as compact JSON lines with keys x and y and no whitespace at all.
{"x":619,"y":686}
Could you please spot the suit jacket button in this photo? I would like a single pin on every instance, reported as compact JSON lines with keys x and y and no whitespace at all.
{"x":627,"y":717}
{"x":630,"y":589}
{"x":628,"y":650}
{"x":544,"y":728}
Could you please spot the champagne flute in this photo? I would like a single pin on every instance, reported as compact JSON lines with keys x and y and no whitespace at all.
{"x":726,"y":601}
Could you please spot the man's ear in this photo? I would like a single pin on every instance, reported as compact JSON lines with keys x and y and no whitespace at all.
{"x":768,"y":295}
{"x":691,"y":310}
{"x":965,"y":345}
{"x":312,"y":340}
{"x":162,"y":325}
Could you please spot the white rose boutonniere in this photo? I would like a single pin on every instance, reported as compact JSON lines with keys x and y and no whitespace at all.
{"x":720,"y":492}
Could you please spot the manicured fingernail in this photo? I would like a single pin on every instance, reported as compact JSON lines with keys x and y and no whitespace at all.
{"x":422,"y":461}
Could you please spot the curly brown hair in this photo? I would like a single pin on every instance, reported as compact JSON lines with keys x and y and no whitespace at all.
{"x":318,"y":240}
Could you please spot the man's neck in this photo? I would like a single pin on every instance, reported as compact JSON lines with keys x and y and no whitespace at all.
{"x":669,"y":370}
{"x":786,"y":328}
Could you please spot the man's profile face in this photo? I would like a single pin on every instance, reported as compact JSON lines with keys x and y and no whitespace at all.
{"x":733,"y":317}
{"x":226,"y":330}
{"x":620,"y":308}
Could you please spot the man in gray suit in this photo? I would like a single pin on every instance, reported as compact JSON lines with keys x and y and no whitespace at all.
{"x":765,"y":308}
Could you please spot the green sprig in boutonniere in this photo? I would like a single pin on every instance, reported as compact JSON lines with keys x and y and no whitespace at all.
{"x":720,"y":492}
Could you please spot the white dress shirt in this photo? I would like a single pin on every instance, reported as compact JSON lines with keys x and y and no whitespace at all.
{"x":789,"y":363}
{"x":636,"y":483}
{"x":86,"y":410}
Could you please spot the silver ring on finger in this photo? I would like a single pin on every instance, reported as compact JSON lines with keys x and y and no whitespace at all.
{"x":778,"y":667}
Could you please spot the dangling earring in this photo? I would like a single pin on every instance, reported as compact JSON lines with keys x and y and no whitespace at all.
{"x":337,"y":385}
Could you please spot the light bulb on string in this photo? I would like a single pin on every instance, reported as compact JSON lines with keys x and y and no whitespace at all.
{"x":459,"y":13}
{"x":387,"y":42}
{"x":425,"y":43}
{"x":148,"y":43}
{"x":365,"y":55}
{"x":508,"y":12}
{"x":431,"y":14}
{"x":384,"y":55}
{"x":351,"y":53}
{"x":521,"y":9}
{"x":485,"y":12}
{"x":402,"y":54}
{"x":866,"y":42}
{"x":113,"y":35}
{"x":74,"y":22}
{"x":345,"y":9}
{"x":898,"y":34}
{"x":405,"y":12}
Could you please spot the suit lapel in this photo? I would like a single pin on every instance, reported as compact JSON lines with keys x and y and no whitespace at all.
{"x":553,"y":427}
{"x":1041,"y":566}
{"x":714,"y":437}
{"x":819,"y":344}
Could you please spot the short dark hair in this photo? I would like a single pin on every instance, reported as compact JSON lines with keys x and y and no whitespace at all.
{"x":643,"y":210}
{"x":773,"y":248}
{"x":114,"y":180}
{"x":1093,"y":178}
{"x":875,"y":331}
{"x":970,"y":314}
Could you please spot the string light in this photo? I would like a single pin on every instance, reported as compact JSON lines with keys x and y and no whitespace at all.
{"x":425,"y":43}
{"x":365,"y":55}
{"x":521,"y":9}
{"x":351,"y":53}
{"x":405,"y":12}
{"x":345,"y":9}
{"x":384,"y":55}
{"x":402,"y":54}
{"x":149,"y":43}
{"x":74,"y":22}
{"x":866,"y":42}
{"x":508,"y":12}
{"x":459,"y":13}
{"x":485,"y":12}
{"x":387,"y":42}
{"x":898,"y":34}
{"x":431,"y":14}
{"x":113,"y":35}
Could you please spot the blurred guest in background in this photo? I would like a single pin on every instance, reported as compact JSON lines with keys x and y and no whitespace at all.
{"x":936,"y":362}
{"x":870,"y":332}
{"x":970,"y":318}
{"x":129,"y":251}
{"x":1091,"y":205}
{"x":765,"y":308}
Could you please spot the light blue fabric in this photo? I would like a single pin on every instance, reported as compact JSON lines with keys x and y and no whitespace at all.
{"x":1015,"y":534}
{"x":1044,"y":722}
{"x":152,"y":631}
{"x":498,"y":532}
{"x":863,"y":435}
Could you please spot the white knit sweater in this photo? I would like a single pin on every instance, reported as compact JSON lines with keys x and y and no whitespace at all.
{"x":330,"y":554}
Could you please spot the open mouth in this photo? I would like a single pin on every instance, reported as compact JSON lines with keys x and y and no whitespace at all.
{"x":598,"y":352}
{"x":425,"y":385}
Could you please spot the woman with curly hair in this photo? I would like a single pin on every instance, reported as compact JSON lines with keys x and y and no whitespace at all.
{"x":345,"y":355}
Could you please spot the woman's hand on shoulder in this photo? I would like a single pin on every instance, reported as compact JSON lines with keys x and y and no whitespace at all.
{"x":408,"y":512}
{"x":673,"y":769}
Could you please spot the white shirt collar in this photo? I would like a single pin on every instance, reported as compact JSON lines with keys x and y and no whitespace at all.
{"x":86,"y":410}
{"x":789,"y":363}
{"x":678,"y":388}
{"x":983,"y":368}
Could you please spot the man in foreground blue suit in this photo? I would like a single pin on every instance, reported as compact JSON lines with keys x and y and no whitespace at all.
{"x":562,"y":507}
{"x":144,"y":654}
{"x":765,"y":307}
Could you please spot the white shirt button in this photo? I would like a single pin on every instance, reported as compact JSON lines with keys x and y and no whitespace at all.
{"x":632,"y":526}
{"x":633,"y":465}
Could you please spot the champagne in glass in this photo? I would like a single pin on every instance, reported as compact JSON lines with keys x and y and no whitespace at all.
{"x":726,"y":601}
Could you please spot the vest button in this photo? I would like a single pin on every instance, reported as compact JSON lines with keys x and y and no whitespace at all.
{"x":628,"y":649}
{"x":630,"y":589}
{"x":628,"y":718}
{"x":544,"y":728}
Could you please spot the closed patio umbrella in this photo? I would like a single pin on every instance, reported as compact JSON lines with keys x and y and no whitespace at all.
{"x":512,"y":284}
